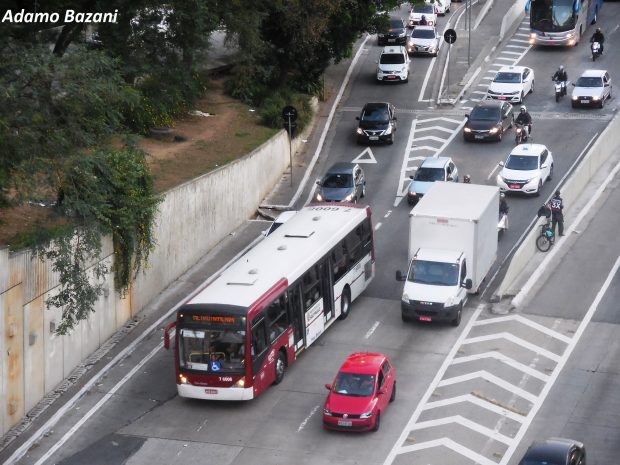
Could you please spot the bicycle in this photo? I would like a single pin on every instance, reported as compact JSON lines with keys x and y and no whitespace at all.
{"x":546,"y":238}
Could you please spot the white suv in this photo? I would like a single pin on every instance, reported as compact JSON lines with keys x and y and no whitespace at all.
{"x":526,"y":169}
{"x":393,"y":64}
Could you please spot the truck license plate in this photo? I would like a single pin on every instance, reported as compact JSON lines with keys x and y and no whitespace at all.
{"x":373,"y":138}
{"x":345,"y":423}
{"x":426,"y":318}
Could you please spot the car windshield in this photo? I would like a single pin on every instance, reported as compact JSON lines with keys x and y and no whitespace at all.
{"x":522,"y":162}
{"x":435,"y":273}
{"x":423,"y":34}
{"x":427,"y":9}
{"x":378,"y":115}
{"x":354,"y":385}
{"x":396,"y":24}
{"x":484,"y":114}
{"x":508,"y":78}
{"x":338,"y":181}
{"x":392,"y":59}
{"x":429,"y":174}
{"x":215,"y":351}
{"x":589,"y":82}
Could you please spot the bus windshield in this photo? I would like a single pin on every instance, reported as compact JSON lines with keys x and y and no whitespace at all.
{"x":552,"y":15}
{"x":213,"y":351}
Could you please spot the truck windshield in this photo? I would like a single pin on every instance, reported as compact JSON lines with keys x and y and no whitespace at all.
{"x":214,"y":351}
{"x":435,"y":273}
{"x":552,"y":15}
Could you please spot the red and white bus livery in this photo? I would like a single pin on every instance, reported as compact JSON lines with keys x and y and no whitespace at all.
{"x":239,"y":333}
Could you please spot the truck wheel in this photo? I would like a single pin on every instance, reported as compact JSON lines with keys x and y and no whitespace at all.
{"x":457,"y":319}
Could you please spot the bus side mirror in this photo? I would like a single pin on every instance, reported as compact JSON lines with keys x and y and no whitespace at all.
{"x":399,"y":276}
{"x":467,"y":284}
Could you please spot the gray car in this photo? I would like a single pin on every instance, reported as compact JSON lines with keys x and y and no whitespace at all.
{"x":343,"y":182}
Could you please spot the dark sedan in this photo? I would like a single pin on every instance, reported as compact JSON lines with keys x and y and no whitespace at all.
{"x":488,"y":120}
{"x":395,"y":34}
{"x":377,"y":123}
{"x":556,"y":451}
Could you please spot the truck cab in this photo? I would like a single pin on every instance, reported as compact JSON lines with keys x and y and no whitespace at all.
{"x":436,"y":286}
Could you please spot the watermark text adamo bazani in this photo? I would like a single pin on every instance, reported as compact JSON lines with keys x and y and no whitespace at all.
{"x":69,"y":16}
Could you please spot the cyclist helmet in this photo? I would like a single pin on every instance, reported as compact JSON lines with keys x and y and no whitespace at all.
{"x":467,"y":179}
{"x":557,"y":193}
{"x":523,"y":109}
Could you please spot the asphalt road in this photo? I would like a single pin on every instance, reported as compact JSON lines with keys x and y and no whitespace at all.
{"x":465,"y":395}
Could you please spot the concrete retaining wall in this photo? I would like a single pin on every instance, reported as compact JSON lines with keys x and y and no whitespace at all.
{"x":192,"y":219}
{"x":515,"y":13}
{"x":606,"y":145}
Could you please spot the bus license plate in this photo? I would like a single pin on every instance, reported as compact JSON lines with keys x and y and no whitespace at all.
{"x":426,"y":318}
{"x":345,"y":423}
{"x":210,"y":391}
{"x":373,"y":137}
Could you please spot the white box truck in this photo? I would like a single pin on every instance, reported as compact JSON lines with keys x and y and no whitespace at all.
{"x":452,"y":245}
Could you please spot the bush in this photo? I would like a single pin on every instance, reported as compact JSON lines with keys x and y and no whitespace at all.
{"x":271,"y":109}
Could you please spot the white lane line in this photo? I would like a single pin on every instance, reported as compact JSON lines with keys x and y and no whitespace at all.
{"x":434,"y":128}
{"x":449,"y":444}
{"x":426,"y":78}
{"x":424,"y":147}
{"x":515,"y":340}
{"x":377,"y":226}
{"x":303,"y":423}
{"x":506,"y":58}
{"x":371,"y":330}
{"x":435,"y":138}
{"x":389,"y":212}
{"x":494,"y":354}
{"x":525,"y":321}
{"x":326,"y":128}
{"x":508,"y":52}
{"x":491,"y":378}
{"x":403,"y":169}
{"x":521,"y":34}
{"x":515,"y":46}
{"x":478,"y":402}
{"x":97,"y":406}
{"x":567,"y":353}
{"x":478,"y":92}
{"x":482,"y":84}
{"x":520,"y":41}
{"x":472,"y":425}
{"x":467,"y":108}
{"x":476,"y":99}
{"x":431,"y":388}
{"x":491,"y":173}
{"x":439,"y":118}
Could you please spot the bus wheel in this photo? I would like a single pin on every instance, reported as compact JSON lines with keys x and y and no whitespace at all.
{"x":345,"y":303}
{"x":280,"y":367}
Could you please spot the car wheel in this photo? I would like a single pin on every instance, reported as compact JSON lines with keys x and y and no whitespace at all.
{"x":393,"y":396}
{"x":457,"y":318}
{"x":280,"y":368}
{"x":404,"y":317}
{"x":522,"y":97}
{"x":602,"y":104}
{"x":537,"y":193}
{"x":345,"y":303}
{"x":550,"y":177}
{"x":532,"y":88}
{"x":391,"y":139}
{"x":377,"y":422}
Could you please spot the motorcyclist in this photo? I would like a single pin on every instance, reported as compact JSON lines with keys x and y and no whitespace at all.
{"x":467,"y":179}
{"x":598,"y":37}
{"x":525,"y":119}
{"x":503,"y":205}
{"x":422,"y":21}
{"x":561,"y":76}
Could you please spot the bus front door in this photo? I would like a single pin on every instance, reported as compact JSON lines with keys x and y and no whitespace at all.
{"x":297,"y":315}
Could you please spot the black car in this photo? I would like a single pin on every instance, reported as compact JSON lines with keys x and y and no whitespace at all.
{"x":556,"y":451}
{"x":488,"y":120}
{"x":395,"y":34}
{"x":377,"y":123}
{"x":343,"y":182}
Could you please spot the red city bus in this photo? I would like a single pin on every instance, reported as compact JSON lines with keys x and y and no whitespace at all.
{"x":239,"y":333}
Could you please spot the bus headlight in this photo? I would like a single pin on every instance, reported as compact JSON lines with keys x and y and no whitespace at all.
{"x":240,"y":383}
{"x":182,"y":379}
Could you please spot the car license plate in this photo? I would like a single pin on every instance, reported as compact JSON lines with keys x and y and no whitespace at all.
{"x":584,"y":101}
{"x":426,"y":318}
{"x":345,"y":423}
{"x":210,"y":391}
{"x":373,"y":137}
{"x":551,"y":42}
{"x":391,"y":76}
{"x":515,"y":186}
{"x":479,"y":136}
{"x":391,"y":40}
{"x":501,"y":98}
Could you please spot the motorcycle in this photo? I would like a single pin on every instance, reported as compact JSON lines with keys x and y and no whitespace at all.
{"x":596,"y":50}
{"x":520,"y":133}
{"x":560,"y":89}
{"x":502,"y":224}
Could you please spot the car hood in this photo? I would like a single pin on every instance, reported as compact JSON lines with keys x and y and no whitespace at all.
{"x":588,"y":91}
{"x":391,"y":68}
{"x":420,"y":187}
{"x":481,"y":124}
{"x":373,"y":125}
{"x":348,"y":404}
{"x":428,"y":292}
{"x":519,"y":175}
{"x":422,"y":42}
{"x":505,"y":87}
{"x":335,"y":194}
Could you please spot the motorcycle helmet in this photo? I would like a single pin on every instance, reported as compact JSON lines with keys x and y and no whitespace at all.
{"x":561,"y":68}
{"x":502,"y":195}
{"x":598,"y":29}
{"x":523,"y":109}
{"x":467,"y":179}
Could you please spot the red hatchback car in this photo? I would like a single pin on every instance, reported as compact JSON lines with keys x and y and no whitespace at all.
{"x":359,"y":395}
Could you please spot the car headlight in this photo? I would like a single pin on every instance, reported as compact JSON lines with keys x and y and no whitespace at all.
{"x":500,"y":179}
{"x":319,"y":197}
{"x":360,"y":131}
{"x":574,"y":97}
{"x":491,"y":92}
{"x":413,"y":193}
{"x":534,"y":180}
{"x":240,"y":383}
{"x":388,"y":130}
{"x":404,"y":70}
{"x":327,"y":412}
{"x":366,"y":415}
{"x":513,"y":93}
{"x":466,"y":130}
{"x":405,"y":298}
{"x":533,"y":35}
{"x":493,"y":130}
{"x":348,"y":198}
{"x":595,"y":97}
{"x":402,"y":34}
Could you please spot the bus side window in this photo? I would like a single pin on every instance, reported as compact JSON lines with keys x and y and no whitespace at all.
{"x":366,"y":236}
{"x":259,"y":337}
{"x":277,"y":317}
{"x":339,"y":261}
{"x":354,"y":248}
{"x":311,"y":286}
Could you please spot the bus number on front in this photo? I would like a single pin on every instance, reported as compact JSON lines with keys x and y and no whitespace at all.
{"x":225,"y":378}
